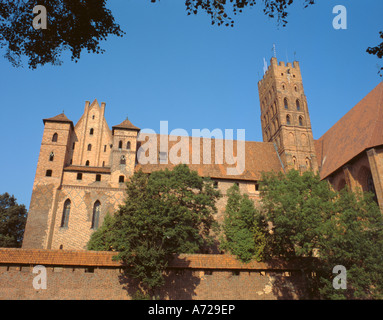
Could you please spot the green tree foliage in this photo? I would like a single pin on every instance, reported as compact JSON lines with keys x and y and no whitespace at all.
{"x":353,"y":238}
{"x":244,"y":231}
{"x":12,"y":222}
{"x":166,"y":213}
{"x":77,"y":25}
{"x":73,"y":26}
{"x":296,"y":205}
{"x":377,"y":51}
{"x":344,"y":228}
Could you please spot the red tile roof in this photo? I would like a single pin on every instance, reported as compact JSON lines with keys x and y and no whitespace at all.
{"x":126,"y":125}
{"x":259,"y":157}
{"x":59,"y":118}
{"x":360,"y":129}
{"x":104,"y":259}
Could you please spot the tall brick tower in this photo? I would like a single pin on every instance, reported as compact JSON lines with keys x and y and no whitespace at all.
{"x":285,"y":117}
{"x":54,"y":156}
{"x":80,"y":178}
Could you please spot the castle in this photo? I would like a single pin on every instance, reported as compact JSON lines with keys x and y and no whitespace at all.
{"x":82,"y":169}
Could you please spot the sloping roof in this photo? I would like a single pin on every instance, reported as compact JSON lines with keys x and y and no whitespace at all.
{"x":258,"y":156}
{"x":127,"y":125}
{"x":360,"y":129}
{"x":104,"y":259}
{"x":59,"y":118}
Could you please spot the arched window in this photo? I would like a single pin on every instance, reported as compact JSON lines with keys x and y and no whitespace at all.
{"x":122,"y":160}
{"x":65,"y":216}
{"x":91,"y":131}
{"x":89,"y":147}
{"x":96,"y":214}
{"x":371,"y":186}
{"x":98,"y":177}
{"x":288,"y":120}
{"x":55,"y":137}
{"x":128,"y":145}
{"x":300,"y":121}
{"x":120,"y":145}
{"x":51,"y":156}
{"x":295,"y":163}
{"x":87,"y":163}
{"x":308,"y":163}
{"x":341,"y":184}
{"x":286,"y":104}
{"x":298,"y":105}
{"x":121,"y":179}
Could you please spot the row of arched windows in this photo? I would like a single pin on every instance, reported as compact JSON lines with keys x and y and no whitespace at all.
{"x":128,"y":145}
{"x":307,"y":162}
{"x":297,"y":104}
{"x":289,"y":122}
{"x":95,"y":216}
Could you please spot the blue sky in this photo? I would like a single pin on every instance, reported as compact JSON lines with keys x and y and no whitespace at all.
{"x":179,"y":68}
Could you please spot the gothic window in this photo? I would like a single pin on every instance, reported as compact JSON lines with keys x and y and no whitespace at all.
{"x":341,"y":184}
{"x":120,"y":145}
{"x":55,"y":137}
{"x":298,"y":105}
{"x":51,"y":156}
{"x":300,"y":121}
{"x":308,"y":163}
{"x":295,"y":163}
{"x":288,"y":120}
{"x":285,"y":103}
{"x":122,"y":160}
{"x":48,"y":173}
{"x":98,"y":177}
{"x":89,"y":147}
{"x":121,"y":179}
{"x":128,"y":145}
{"x":65,"y":216}
{"x":296,"y":88}
{"x":79,"y":176}
{"x":87,"y":163}
{"x":371,"y":186}
{"x":91,"y":131}
{"x":103,"y":163}
{"x":96,"y":214}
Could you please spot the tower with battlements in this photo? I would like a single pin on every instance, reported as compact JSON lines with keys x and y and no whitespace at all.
{"x":285,"y":116}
